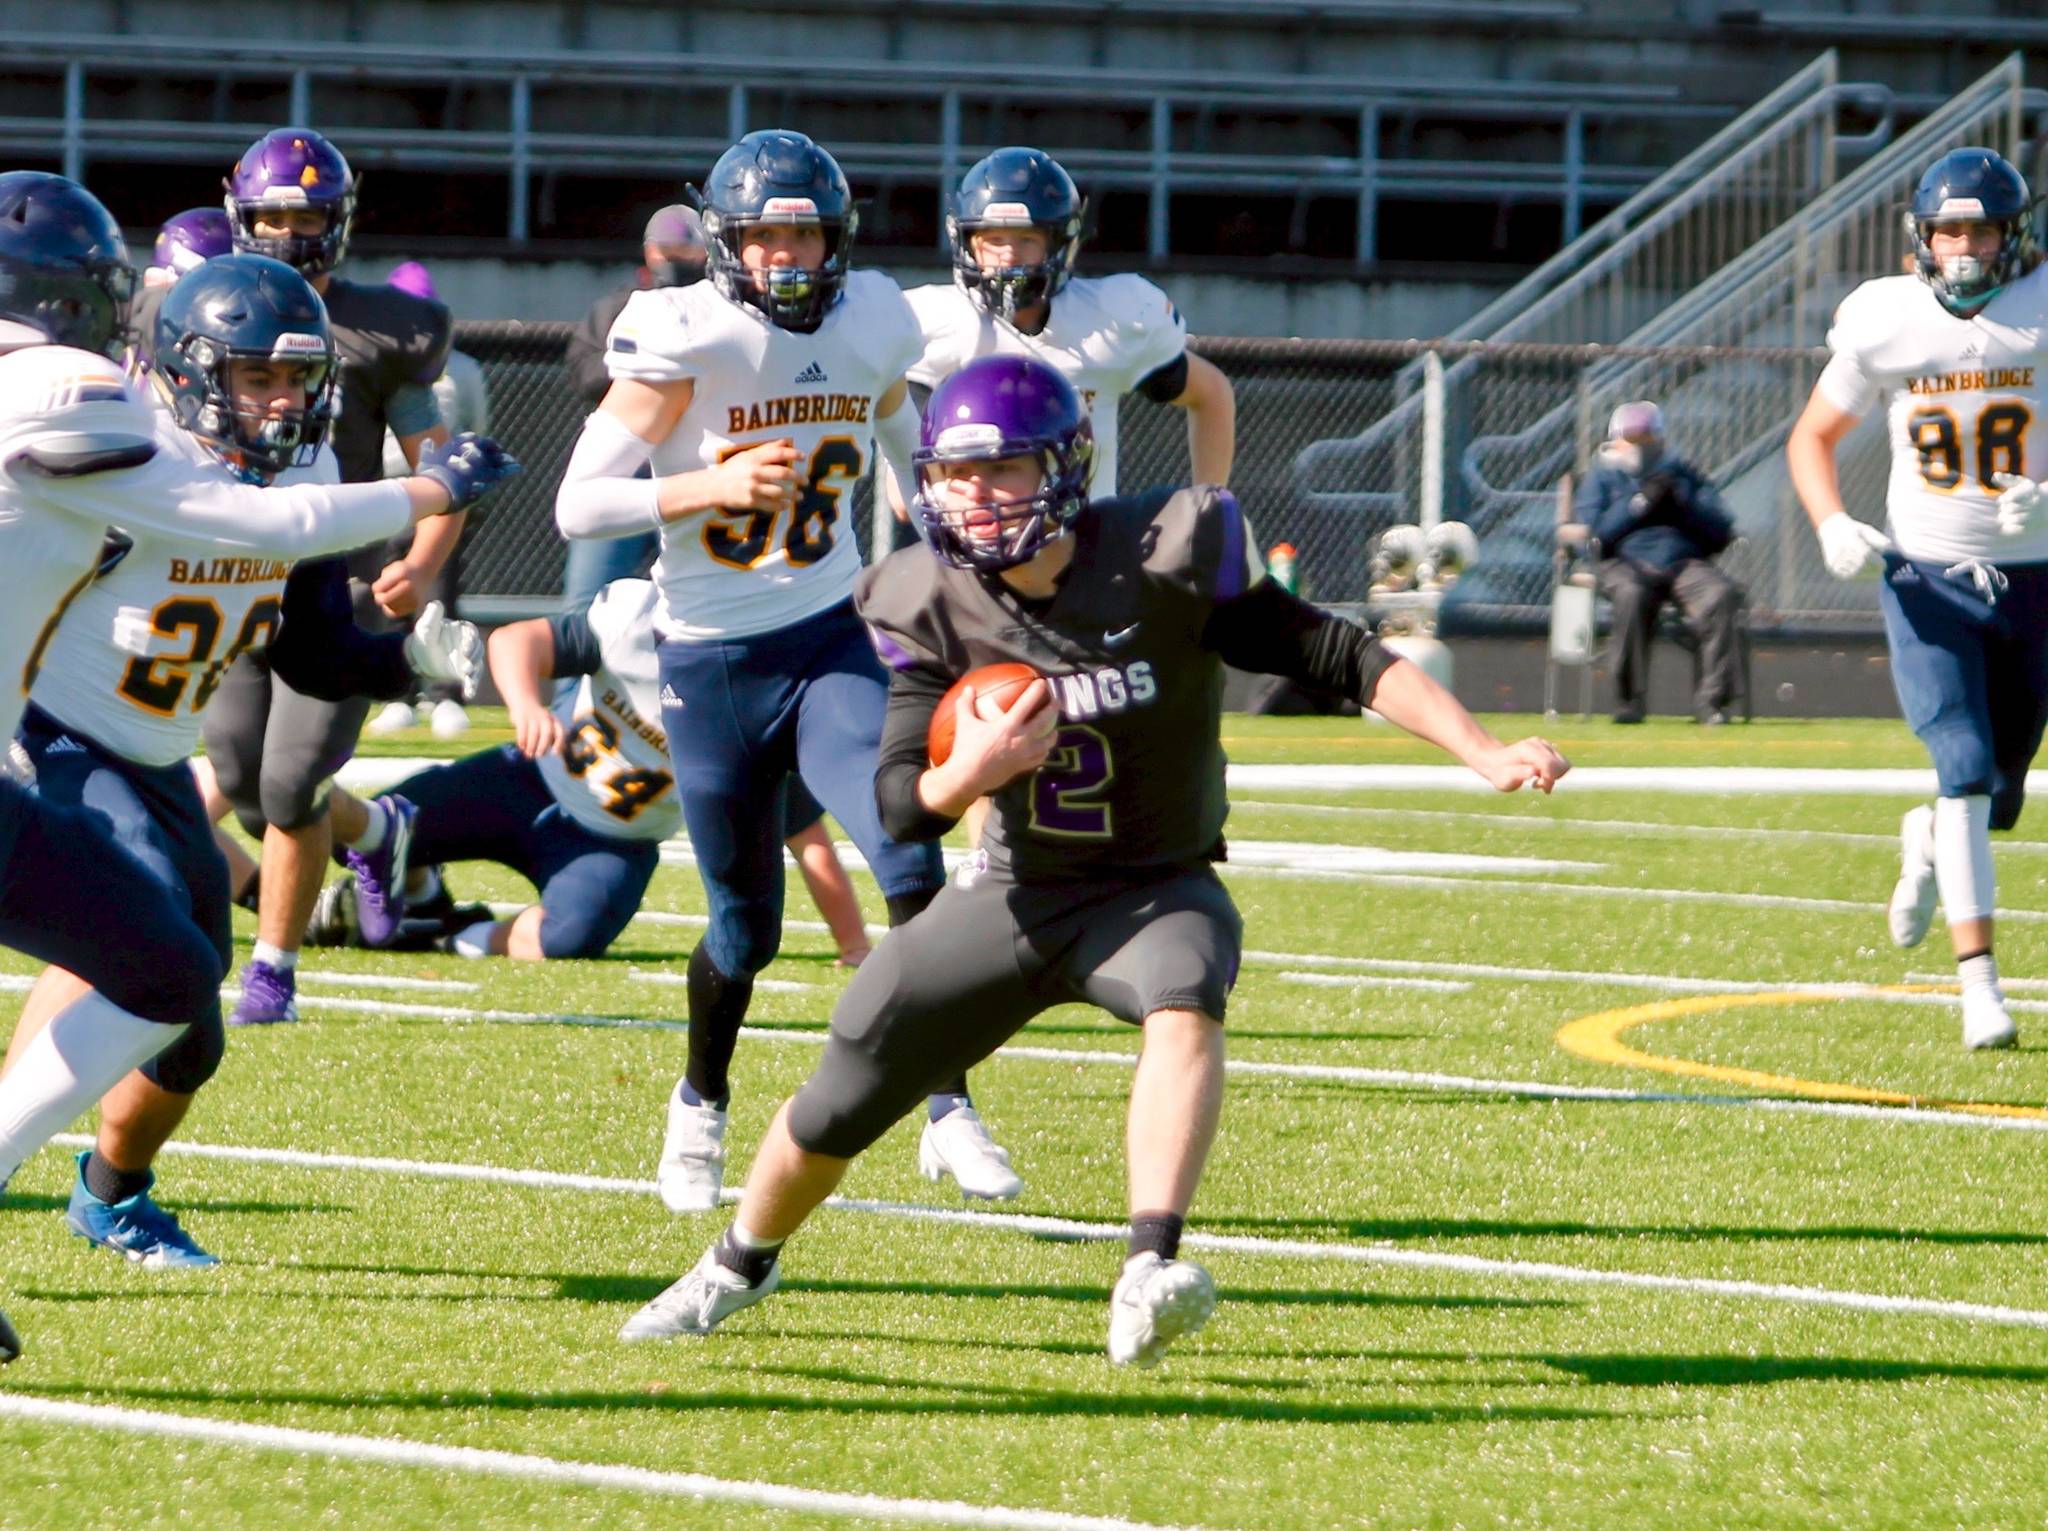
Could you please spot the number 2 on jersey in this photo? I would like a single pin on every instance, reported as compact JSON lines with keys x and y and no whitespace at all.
{"x":158,"y":684}
{"x":2001,"y":434}
{"x":1065,"y":791}
{"x":742,"y":538}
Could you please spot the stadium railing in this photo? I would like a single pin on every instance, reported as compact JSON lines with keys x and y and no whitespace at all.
{"x":514,"y":125}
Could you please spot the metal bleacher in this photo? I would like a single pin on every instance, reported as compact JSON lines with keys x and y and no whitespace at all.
{"x":1769,"y":306}
{"x":77,"y":100}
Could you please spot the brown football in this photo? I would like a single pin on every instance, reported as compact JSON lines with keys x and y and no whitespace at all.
{"x":996,"y":689}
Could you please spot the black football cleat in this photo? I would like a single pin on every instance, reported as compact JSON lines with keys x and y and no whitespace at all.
{"x":10,"y":1342}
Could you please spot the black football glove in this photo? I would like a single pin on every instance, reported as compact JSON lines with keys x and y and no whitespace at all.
{"x":468,"y":466}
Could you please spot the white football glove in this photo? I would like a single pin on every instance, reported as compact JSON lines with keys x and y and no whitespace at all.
{"x":1846,"y":544}
{"x":440,"y":648}
{"x":2023,"y":506}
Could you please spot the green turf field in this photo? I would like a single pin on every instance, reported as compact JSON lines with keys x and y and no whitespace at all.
{"x":1434,"y":1307}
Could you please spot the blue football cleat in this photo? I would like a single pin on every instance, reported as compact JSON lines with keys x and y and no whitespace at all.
{"x":269,"y":996}
{"x":136,"y":1227}
{"x":380,"y":874}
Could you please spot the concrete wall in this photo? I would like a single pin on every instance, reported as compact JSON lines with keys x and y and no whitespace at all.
{"x":1213,"y":305}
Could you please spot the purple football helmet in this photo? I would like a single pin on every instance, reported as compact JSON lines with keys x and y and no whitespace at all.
{"x":293,"y":168}
{"x":186,"y":239}
{"x":992,"y":408}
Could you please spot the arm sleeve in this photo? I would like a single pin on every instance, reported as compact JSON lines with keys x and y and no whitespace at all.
{"x":600,"y":495}
{"x":412,"y":409}
{"x":321,"y":652}
{"x":577,"y":649}
{"x":896,"y":439}
{"x":1271,"y":632}
{"x":1613,"y":516}
{"x":180,"y":500}
{"x":914,"y":696}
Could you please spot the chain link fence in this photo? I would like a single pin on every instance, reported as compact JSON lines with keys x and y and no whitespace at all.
{"x":1339,"y":440}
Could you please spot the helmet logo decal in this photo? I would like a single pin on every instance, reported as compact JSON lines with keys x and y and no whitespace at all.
{"x":1960,"y":207}
{"x":297,"y":342}
{"x":968,"y":439}
{"x":788,"y":207}
{"x":310,"y":176}
{"x":1007,"y":213}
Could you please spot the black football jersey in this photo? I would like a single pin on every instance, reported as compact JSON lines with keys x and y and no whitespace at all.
{"x":387,"y":338}
{"x":1135,"y":778}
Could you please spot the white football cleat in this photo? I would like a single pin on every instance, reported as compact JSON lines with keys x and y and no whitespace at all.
{"x":958,"y":1144}
{"x":700,"y":1302}
{"x":1911,"y":910}
{"x":1986,"y":1021}
{"x":394,"y":717}
{"x":1156,"y":1302}
{"x":692,"y":1168}
{"x":449,"y":719}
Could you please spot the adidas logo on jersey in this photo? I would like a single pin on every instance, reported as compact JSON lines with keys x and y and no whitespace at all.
{"x":64,"y":744}
{"x":812,"y":374}
{"x":669,"y":697}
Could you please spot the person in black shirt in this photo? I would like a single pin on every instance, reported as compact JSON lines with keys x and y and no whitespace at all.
{"x":1095,"y":879}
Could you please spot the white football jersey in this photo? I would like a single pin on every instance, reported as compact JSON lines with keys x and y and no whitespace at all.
{"x":1106,"y":335}
{"x":613,"y":776}
{"x":1965,"y":401}
{"x":729,"y":574}
{"x":138,"y":653}
{"x":56,"y":401}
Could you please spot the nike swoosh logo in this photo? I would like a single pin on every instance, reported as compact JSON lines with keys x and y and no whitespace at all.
{"x":1122,"y":636}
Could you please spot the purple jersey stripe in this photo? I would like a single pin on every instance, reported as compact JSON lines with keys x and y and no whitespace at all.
{"x":892,"y":653}
{"x":1230,"y":568}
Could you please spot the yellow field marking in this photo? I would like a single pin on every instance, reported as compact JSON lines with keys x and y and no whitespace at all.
{"x":1597,"y":1038}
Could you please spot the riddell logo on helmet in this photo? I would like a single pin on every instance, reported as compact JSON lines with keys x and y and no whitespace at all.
{"x":292,"y":341}
{"x":1961,"y":207}
{"x":789,"y":207}
{"x":1007,"y":212}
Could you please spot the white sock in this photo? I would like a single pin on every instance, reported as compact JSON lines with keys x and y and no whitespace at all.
{"x":474,"y":941}
{"x":1962,"y":858}
{"x":373,"y":836}
{"x":84,"y":1051}
{"x":747,"y":1239}
{"x":1979,"y":972}
{"x":275,"y":956}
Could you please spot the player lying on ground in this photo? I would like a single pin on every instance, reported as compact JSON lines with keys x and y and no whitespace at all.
{"x":578,"y":806}
{"x":1095,"y":881}
{"x":245,"y":372}
{"x":1954,"y":351}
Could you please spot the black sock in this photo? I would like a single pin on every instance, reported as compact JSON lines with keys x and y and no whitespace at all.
{"x":1158,"y":1232}
{"x":718,"y":1005}
{"x":905,"y":907}
{"x":749,"y":1262}
{"x":111,"y":1185}
{"x":252,"y":891}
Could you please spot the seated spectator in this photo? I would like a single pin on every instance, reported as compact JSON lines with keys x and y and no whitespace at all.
{"x":1659,"y":524}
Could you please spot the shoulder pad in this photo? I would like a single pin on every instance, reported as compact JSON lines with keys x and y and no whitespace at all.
{"x":77,"y":454}
{"x":651,"y":339}
{"x":895,"y":598}
{"x":1197,"y":542}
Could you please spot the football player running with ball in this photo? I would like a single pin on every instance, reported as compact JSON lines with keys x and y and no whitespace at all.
{"x":79,"y":452}
{"x":1015,"y":228}
{"x":1956,"y":351}
{"x":1095,"y":881}
{"x":758,"y":396}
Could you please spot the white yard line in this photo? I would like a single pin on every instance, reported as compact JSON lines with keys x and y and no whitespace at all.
{"x":508,"y":1464}
{"x":1372,"y":981}
{"x":1539,"y":820}
{"x":1259,"y":1248}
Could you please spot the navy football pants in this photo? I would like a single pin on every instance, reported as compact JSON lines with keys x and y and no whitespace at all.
{"x":1972,"y":674}
{"x":746,"y":712}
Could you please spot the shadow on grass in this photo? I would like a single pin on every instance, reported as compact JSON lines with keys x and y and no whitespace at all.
{"x":903,"y":1396}
{"x":41,"y":1203}
{"x":1629,"y":1370}
{"x":1680,"y":1233}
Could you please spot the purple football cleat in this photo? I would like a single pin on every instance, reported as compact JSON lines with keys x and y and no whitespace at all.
{"x":269,"y":996}
{"x":380,"y":874}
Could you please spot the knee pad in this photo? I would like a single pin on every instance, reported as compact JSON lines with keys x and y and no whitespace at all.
{"x":842,"y":1111}
{"x":743,"y":939}
{"x":1962,"y":759}
{"x":568,"y":938}
{"x":193,"y":1059}
{"x":168,"y":987}
{"x":292,"y":802}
